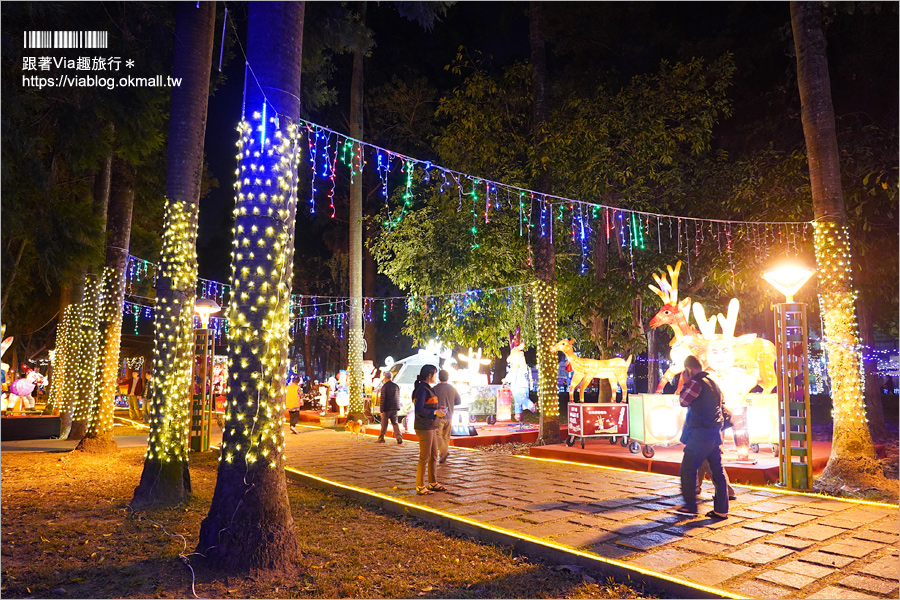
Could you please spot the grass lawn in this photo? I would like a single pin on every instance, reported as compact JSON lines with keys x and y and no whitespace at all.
{"x":66,"y":532}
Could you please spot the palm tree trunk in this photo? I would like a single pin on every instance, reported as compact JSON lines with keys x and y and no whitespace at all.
{"x":544,"y":253}
{"x":249,"y":525}
{"x":99,"y":437}
{"x":852,"y":459}
{"x":14,"y":267}
{"x":355,"y":350}
{"x":165,"y":478}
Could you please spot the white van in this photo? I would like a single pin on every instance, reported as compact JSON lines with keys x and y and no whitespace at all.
{"x":404,"y":373}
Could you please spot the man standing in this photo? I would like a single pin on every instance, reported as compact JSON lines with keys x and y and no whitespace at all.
{"x":702,"y":439}
{"x":390,"y":406}
{"x":447,"y":397}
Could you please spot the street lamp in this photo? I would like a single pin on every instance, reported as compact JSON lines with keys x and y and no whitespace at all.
{"x":205,"y":307}
{"x":788,"y":278}
{"x":792,"y":367}
{"x":201,"y":376}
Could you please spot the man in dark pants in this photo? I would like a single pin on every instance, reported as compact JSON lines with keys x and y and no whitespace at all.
{"x":390,"y":406}
{"x":702,"y":439}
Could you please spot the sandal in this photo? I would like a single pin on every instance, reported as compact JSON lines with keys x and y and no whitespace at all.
{"x":423,"y":491}
{"x":437,"y":487}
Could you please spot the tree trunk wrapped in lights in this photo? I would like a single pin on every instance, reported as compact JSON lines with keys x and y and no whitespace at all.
{"x":356,"y":342}
{"x":547,"y":360}
{"x":544,"y":252}
{"x":59,"y":382}
{"x":852,"y":461}
{"x":85,"y":354}
{"x":249,"y":525}
{"x":165,"y":478}
{"x":99,"y":437}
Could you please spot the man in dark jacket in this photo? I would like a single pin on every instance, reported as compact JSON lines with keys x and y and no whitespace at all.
{"x":390,"y":406}
{"x":448,"y":398}
{"x":702,"y":439}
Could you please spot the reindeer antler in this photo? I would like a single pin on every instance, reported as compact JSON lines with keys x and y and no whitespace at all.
{"x":707,"y":326}
{"x":667,"y":290}
{"x":729,"y":322}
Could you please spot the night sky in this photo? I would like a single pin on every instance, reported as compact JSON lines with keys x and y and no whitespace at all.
{"x":618,"y":40}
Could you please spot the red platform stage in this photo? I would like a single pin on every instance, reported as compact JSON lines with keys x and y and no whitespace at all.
{"x":667,"y":460}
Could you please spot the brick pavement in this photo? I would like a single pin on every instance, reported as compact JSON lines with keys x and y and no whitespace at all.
{"x":774,"y":546}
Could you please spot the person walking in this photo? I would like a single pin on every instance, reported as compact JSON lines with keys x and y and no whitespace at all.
{"x":447,"y":397}
{"x":134,"y":392}
{"x":702,"y":439}
{"x":390,"y":406}
{"x":292,"y":403}
{"x":427,"y":414}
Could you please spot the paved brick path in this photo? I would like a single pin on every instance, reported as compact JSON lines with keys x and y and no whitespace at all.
{"x":773,"y":546}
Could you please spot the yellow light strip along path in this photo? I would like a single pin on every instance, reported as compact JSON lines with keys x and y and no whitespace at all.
{"x":521,"y":541}
{"x":773,"y":489}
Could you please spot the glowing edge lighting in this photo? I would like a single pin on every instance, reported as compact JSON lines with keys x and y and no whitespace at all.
{"x":514,"y":534}
{"x":521,"y":536}
{"x":740,"y":485}
{"x":133,"y":423}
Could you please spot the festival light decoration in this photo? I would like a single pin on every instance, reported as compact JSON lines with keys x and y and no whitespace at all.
{"x":86,"y":351}
{"x":110,"y":314}
{"x":168,"y":398}
{"x":544,"y":294}
{"x":259,"y":313}
{"x":837,"y":298}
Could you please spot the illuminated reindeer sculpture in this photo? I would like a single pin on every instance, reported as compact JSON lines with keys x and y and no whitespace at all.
{"x":756,"y":357}
{"x":585,"y":370}
{"x":734,"y":381}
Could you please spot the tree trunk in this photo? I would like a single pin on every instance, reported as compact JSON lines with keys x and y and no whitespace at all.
{"x":355,"y":339}
{"x":307,"y":357}
{"x":544,"y":252}
{"x":370,"y":274}
{"x":14,"y":268}
{"x":249,"y":525}
{"x":852,"y":459}
{"x":99,"y":436}
{"x":874,"y":410}
{"x":84,"y":347}
{"x":166,"y":478}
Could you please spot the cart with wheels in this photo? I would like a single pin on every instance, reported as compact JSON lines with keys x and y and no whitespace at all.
{"x":654,"y":420}
{"x":598,"y":421}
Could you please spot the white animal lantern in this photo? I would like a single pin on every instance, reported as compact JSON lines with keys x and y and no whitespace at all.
{"x":474,"y":360}
{"x":518,"y":378}
{"x":734,"y":381}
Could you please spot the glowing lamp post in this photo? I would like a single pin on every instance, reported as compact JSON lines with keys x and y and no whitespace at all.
{"x":201,"y":377}
{"x":792,"y":368}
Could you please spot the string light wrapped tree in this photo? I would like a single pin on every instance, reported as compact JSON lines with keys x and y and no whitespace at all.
{"x":852,"y":461}
{"x":99,"y":436}
{"x":544,"y":252}
{"x":249,"y":525}
{"x":166,"y":478}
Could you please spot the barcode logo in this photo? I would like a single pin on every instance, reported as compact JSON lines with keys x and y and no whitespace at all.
{"x":66,"y":39}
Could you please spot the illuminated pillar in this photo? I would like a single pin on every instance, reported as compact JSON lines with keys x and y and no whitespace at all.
{"x":547,"y":359}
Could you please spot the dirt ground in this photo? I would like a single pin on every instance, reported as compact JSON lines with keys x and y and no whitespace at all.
{"x":66,"y":532}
